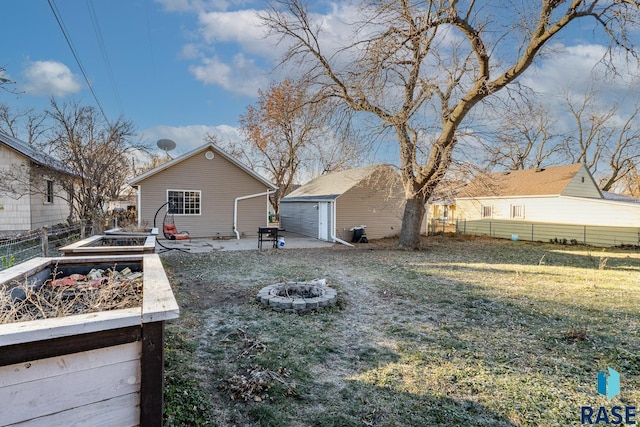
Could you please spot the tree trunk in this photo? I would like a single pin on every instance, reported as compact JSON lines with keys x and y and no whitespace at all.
{"x":414,"y":211}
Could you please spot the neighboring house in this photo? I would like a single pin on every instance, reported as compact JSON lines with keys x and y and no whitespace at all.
{"x":214,"y":194}
{"x":35,"y":199}
{"x":560,"y":195}
{"x":329,"y":206}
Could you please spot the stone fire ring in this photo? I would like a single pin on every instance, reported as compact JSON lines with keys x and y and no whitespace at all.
{"x":297,"y":296}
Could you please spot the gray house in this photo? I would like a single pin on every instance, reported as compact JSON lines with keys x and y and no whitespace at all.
{"x":329,"y":206}
{"x":214,"y":194}
{"x":31,"y":196}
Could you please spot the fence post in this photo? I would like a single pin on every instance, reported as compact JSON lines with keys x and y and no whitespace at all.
{"x":584,"y":237}
{"x":44,"y":241}
{"x":532,"y":232}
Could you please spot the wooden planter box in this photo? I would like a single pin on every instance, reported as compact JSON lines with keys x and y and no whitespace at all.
{"x":111,"y":245}
{"x":103,"y":368}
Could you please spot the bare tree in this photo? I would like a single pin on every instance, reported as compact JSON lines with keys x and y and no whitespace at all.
{"x":24,"y":122}
{"x":5,"y":82}
{"x":524,"y":137}
{"x":289,"y":137}
{"x":97,"y":151}
{"x":411,"y":62}
{"x":604,"y":139}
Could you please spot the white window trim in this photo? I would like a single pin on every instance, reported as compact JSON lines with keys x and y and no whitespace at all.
{"x":199,"y":192}
{"x":482,"y":208}
{"x":512,"y":211}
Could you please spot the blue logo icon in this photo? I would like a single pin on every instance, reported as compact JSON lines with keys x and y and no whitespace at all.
{"x":609,"y":385}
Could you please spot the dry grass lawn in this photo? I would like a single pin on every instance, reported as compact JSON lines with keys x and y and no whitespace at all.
{"x":464,"y":332}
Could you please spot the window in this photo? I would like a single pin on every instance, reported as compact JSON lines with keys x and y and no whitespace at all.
{"x":184,"y":202}
{"x":487,"y":211}
{"x":48,"y":191}
{"x":517,"y":211}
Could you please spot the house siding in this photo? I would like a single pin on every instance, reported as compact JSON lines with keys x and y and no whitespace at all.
{"x":48,"y":214}
{"x":557,"y":210}
{"x":582,"y":185}
{"x":15,"y":214}
{"x":376,"y":202}
{"x":220,"y":183}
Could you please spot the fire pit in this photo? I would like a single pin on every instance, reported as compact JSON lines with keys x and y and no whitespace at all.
{"x":297,"y":296}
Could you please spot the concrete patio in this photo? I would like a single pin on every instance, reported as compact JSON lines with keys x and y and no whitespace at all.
{"x":202,"y":245}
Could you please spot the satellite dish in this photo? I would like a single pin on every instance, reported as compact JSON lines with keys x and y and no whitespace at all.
{"x":166,"y":144}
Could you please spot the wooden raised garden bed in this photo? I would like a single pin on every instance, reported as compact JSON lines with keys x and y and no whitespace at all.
{"x":95,"y":368}
{"x":111,"y":245}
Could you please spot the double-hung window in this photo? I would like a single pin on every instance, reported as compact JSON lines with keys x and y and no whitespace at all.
{"x":184,"y":202}
{"x":487,"y":211}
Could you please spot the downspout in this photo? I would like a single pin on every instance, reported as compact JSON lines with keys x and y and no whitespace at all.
{"x":139,"y":197}
{"x":333,"y":229}
{"x":235,"y":208}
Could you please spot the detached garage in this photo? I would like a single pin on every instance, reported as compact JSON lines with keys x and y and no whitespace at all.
{"x":329,"y":206}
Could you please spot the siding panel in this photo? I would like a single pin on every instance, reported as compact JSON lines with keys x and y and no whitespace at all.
{"x":377,"y":202}
{"x":220,"y":182}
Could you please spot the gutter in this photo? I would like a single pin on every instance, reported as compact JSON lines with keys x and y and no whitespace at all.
{"x":235,"y":208}
{"x":333,"y":229}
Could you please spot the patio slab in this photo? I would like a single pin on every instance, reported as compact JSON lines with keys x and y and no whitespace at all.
{"x":202,"y":245}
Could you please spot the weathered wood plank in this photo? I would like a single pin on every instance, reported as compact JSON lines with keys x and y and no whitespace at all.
{"x":118,"y":411}
{"x":26,"y":352}
{"x":35,"y":370}
{"x":158,"y":302}
{"x":73,"y":390}
{"x":151,"y":388}
{"x":44,"y":329}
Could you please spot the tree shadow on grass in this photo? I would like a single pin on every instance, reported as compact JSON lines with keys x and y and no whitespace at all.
{"x":371,"y":405}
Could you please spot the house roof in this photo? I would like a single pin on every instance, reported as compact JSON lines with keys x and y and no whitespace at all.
{"x":552,"y":180}
{"x":36,"y":156}
{"x":619,"y":197}
{"x":209,"y":146}
{"x":332,"y":185}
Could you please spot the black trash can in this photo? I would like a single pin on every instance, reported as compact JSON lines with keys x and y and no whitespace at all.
{"x":358,"y":235}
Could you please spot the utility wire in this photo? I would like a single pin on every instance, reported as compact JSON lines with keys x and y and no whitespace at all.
{"x":103,"y":50}
{"x":56,"y":14}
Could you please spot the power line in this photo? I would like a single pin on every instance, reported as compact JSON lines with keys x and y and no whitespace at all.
{"x":103,"y":50}
{"x":56,"y":14}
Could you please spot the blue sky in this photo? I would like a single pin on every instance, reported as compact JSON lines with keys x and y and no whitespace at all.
{"x":181,"y":68}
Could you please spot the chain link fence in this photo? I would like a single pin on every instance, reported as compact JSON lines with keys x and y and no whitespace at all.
{"x":43,"y":242}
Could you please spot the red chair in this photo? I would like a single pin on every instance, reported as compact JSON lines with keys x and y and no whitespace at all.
{"x":171,"y":233}
{"x":169,"y":229}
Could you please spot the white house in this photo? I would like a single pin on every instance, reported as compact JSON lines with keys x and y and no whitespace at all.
{"x":562,"y":196}
{"x":36,"y":199}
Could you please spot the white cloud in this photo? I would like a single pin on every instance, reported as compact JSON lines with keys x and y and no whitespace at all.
{"x":240,"y":76}
{"x":192,"y":5}
{"x":576,"y":67}
{"x":50,"y":78}
{"x":189,"y":137}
